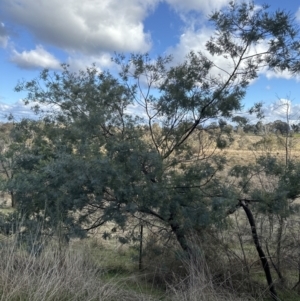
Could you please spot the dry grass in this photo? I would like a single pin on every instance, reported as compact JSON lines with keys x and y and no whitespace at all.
{"x":246,"y":148}
{"x":76,"y":273}
{"x":199,"y":285}
{"x":50,"y":277}
{"x":57,"y":276}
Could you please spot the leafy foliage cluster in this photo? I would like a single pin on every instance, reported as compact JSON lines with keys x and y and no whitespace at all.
{"x":90,"y":158}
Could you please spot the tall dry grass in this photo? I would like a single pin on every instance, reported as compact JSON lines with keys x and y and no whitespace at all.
{"x":72,"y":274}
{"x":199,"y":285}
{"x":65,"y":275}
{"x":50,"y":276}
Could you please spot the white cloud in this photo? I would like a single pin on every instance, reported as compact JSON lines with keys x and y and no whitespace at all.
{"x":87,"y":26}
{"x":206,"y":6}
{"x":136,"y":110}
{"x":3,"y":36}
{"x":37,"y":58}
{"x":279,"y":110}
{"x":19,"y":110}
{"x":81,"y":62}
{"x":190,"y":40}
{"x":298,"y":14}
{"x":285,"y":74}
{"x":195,"y":40}
{"x":281,"y":107}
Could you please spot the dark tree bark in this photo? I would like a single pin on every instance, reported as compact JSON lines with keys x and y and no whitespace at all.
{"x":13,"y":201}
{"x":141,"y":248}
{"x":181,"y":238}
{"x":261,"y":254}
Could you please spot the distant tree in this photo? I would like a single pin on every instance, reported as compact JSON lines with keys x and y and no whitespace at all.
{"x":241,"y":121}
{"x":228,"y":129}
{"x":212,"y":126}
{"x":222,"y":123}
{"x":296,"y":127}
{"x":259,"y":128}
{"x":249,"y":128}
{"x":281,"y":127}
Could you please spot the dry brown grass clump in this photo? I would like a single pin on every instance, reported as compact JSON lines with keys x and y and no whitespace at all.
{"x":50,"y":276}
{"x":57,"y":276}
{"x":199,"y":285}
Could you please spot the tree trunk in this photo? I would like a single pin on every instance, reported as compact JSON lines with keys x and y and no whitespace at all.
{"x":181,"y":238}
{"x":260,"y":251}
{"x":141,"y":248}
{"x":13,"y":201}
{"x":278,"y":248}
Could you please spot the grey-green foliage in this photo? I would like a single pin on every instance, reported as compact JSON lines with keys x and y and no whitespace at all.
{"x":270,"y":184}
{"x":88,"y":160}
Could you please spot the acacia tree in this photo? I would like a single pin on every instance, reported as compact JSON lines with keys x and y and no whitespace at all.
{"x":269,"y":188}
{"x":90,"y":160}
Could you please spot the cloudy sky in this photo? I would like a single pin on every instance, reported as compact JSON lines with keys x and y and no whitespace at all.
{"x":35,"y":34}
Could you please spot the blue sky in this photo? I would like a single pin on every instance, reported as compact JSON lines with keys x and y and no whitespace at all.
{"x":35,"y":34}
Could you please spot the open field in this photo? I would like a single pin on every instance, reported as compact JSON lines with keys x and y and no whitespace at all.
{"x":245,"y":148}
{"x":242,"y":156}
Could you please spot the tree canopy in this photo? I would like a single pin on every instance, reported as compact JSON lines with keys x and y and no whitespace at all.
{"x":109,"y":147}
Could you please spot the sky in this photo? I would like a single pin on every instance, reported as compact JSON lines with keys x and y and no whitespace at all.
{"x":37,"y":34}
